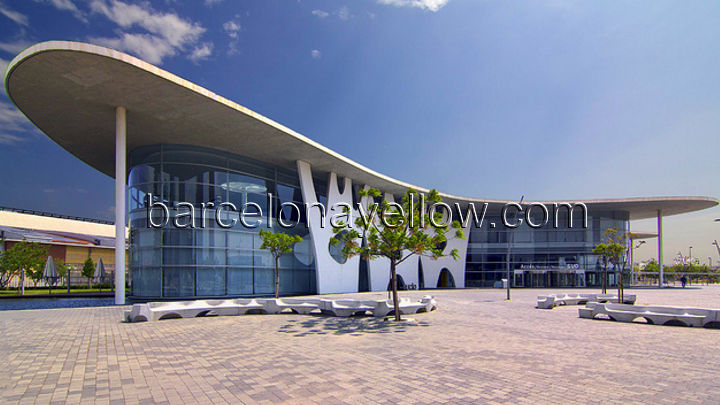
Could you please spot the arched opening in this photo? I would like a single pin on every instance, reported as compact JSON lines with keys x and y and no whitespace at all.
{"x":363,"y":276}
{"x":400,"y":283}
{"x":171,"y":315}
{"x":675,"y":322}
{"x":446,"y":279}
{"x":421,"y":276}
{"x":642,"y":319}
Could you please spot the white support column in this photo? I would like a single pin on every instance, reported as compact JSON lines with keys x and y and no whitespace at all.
{"x":660,"y":248}
{"x":120,"y":198}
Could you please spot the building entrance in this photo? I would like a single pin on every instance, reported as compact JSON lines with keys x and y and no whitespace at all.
{"x":543,"y":278}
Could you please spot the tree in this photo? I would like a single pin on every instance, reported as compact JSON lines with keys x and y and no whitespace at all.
{"x":63,"y":270}
{"x":278,"y":244}
{"x":88,"y":270}
{"x":23,"y":258}
{"x":614,"y":250}
{"x":397,"y":233}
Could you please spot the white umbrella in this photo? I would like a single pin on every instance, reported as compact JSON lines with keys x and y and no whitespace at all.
{"x":50,"y":274}
{"x":99,"y":271}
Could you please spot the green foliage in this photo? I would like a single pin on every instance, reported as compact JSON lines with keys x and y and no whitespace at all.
{"x":22,"y":256}
{"x":88,"y":269}
{"x":278,"y":243}
{"x":652,"y":267}
{"x":397,"y":231}
{"x":614,"y":248}
{"x":61,"y":267}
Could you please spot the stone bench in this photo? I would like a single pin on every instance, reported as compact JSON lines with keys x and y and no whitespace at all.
{"x":655,"y":315}
{"x":154,"y":311}
{"x":550,"y":301}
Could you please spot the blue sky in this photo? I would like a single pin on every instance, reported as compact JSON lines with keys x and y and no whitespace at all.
{"x":548,"y":99}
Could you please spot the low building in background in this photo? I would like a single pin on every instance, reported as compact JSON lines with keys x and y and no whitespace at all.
{"x":66,"y":238}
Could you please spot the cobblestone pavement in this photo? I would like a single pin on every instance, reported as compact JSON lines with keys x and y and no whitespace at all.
{"x":477,"y":348}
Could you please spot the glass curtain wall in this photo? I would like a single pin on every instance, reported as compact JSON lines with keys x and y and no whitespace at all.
{"x":541,"y":257}
{"x":209,"y":260}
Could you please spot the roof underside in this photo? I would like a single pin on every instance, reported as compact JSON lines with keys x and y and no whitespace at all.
{"x":69,"y":90}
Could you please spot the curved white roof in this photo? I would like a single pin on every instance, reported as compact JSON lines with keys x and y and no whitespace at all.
{"x":69,"y":90}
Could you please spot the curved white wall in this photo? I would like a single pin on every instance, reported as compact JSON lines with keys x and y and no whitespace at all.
{"x":333,"y":277}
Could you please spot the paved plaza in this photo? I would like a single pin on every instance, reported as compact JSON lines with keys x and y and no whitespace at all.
{"x":477,"y":348}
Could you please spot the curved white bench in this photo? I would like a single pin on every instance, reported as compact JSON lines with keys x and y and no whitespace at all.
{"x":656,"y":315}
{"x":552,"y":300}
{"x":153,"y":311}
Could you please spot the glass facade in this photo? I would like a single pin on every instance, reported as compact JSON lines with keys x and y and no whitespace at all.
{"x":541,"y":257}
{"x":210,"y":260}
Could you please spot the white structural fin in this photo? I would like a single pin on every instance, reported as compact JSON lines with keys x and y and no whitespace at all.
{"x":332,"y":276}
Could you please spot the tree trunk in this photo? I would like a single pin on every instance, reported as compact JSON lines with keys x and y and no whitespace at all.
{"x":620,"y":286}
{"x":604,"y":277}
{"x":396,"y":302}
{"x":277,"y":278}
{"x":22,"y":282}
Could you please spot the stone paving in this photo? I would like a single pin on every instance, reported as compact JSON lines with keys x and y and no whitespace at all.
{"x":477,"y":348}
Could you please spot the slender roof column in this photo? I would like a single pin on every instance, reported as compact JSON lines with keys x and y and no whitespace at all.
{"x":660,"y":248}
{"x":120,"y":170}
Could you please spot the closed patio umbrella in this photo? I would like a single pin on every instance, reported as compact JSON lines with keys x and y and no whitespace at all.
{"x":50,"y":274}
{"x":100,"y":273}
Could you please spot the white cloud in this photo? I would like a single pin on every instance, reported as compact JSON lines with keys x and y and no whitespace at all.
{"x":3,"y":66}
{"x":344,"y":13}
{"x":320,"y":13}
{"x":168,"y":33}
{"x":212,"y":2}
{"x":148,"y":47}
{"x":67,"y":5}
{"x":14,"y":47}
{"x":432,"y":5}
{"x":232,"y":28}
{"x":12,"y":120}
{"x":13,"y":15}
{"x":316,"y":54}
{"x":201,"y":52}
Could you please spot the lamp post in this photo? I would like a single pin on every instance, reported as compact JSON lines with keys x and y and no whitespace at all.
{"x":690,"y":253}
{"x":632,"y":259}
{"x":511,"y":240}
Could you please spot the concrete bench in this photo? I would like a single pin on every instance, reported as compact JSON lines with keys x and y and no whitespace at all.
{"x":386,"y":307}
{"x":552,"y":300}
{"x":345,"y":308}
{"x":655,"y":315}
{"x":154,"y":311}
{"x":276,"y":306}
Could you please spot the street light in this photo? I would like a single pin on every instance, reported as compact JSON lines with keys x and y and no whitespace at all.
{"x":632,"y":259}
{"x":690,"y":254}
{"x":511,"y":240}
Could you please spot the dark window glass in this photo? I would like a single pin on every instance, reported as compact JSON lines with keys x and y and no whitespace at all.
{"x":178,"y":282}
{"x":146,"y":281}
{"x":210,"y":281}
{"x":240,"y":281}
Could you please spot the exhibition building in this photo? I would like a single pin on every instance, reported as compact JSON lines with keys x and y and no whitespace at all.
{"x":162,"y":136}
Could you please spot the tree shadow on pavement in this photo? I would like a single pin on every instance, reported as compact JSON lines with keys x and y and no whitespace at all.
{"x":353,"y":326}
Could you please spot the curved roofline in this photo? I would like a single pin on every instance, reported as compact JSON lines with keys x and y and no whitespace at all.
{"x":173,"y":86}
{"x":164,"y":74}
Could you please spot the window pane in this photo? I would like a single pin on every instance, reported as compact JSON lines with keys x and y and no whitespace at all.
{"x":240,"y":281}
{"x":264,"y":282}
{"x":146,"y":282}
{"x":178,"y":282}
{"x":210,"y":281}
